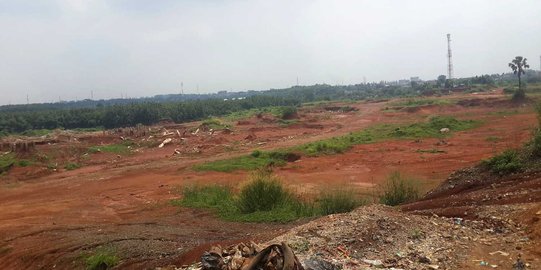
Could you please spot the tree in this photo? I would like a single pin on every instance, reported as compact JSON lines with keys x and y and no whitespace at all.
{"x":441,"y":80}
{"x":518,"y":65}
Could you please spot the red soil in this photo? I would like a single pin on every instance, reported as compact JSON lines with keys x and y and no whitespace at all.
{"x":124,"y":202}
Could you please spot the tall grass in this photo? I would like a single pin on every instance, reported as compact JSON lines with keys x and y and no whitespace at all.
{"x":398,"y":189}
{"x":338,"y":201}
{"x":101,"y":260}
{"x":265,"y":199}
{"x":263,"y":193}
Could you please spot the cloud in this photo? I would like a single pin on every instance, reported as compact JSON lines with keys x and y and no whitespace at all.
{"x":69,"y":47}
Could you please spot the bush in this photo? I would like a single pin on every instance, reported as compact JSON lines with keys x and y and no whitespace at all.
{"x":506,"y":162}
{"x":398,"y":189}
{"x":339,"y":201}
{"x":263,"y":193}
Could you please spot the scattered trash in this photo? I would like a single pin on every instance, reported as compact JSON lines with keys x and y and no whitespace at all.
{"x":251,"y":257}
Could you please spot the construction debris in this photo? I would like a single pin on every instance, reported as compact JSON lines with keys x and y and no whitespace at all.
{"x":252,"y":257}
{"x":166,"y":141}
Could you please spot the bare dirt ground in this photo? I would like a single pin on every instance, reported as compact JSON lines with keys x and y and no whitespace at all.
{"x":51,"y":218}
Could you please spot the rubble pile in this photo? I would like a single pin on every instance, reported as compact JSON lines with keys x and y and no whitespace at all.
{"x":376,"y":237}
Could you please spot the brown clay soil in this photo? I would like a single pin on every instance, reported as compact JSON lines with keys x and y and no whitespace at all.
{"x":52,"y":218}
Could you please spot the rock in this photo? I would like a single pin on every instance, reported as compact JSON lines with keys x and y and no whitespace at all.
{"x":445,"y":130}
{"x":319,"y":264}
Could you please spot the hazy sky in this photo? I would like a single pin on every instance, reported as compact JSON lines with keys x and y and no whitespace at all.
{"x":67,"y":48}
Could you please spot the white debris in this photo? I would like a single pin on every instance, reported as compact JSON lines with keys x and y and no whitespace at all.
{"x":166,"y":141}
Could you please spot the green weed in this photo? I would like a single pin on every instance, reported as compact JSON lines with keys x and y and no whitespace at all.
{"x":338,"y":201}
{"x":506,"y":162}
{"x":398,"y":189}
{"x":102,"y":259}
{"x":72,"y":166}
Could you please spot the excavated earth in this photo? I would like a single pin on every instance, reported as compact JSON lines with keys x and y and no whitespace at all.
{"x":52,"y":219}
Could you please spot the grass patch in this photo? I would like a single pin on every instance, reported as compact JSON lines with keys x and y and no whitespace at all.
{"x":338,"y":201}
{"x":398,"y":189}
{"x":507,"y":162}
{"x":258,"y":159}
{"x":338,"y":145}
{"x":282,"y":112}
{"x":102,"y":259}
{"x":36,"y":132}
{"x":264,"y":199}
{"x":215,"y":124}
{"x":119,"y":148}
{"x":430,"y":128}
{"x":72,"y":166}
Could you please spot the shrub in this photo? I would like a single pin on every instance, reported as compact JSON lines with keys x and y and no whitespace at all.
{"x":398,"y":189}
{"x":338,"y":201}
{"x":288,"y":112}
{"x":263,"y":193}
{"x":506,"y":162}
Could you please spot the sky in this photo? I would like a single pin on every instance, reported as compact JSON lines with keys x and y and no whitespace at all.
{"x":66,"y":49}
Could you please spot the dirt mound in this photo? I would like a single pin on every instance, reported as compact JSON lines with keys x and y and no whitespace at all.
{"x":383,"y":237}
{"x":477,"y":186}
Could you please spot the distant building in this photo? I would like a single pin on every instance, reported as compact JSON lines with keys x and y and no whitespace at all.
{"x":404,"y":82}
{"x":415,"y":79}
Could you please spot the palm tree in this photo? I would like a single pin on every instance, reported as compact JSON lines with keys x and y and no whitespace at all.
{"x":518,"y":65}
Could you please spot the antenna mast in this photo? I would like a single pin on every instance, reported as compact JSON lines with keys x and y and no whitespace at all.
{"x":449,"y":58}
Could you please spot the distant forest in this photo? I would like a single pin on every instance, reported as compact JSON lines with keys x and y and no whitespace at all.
{"x":183,"y":108}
